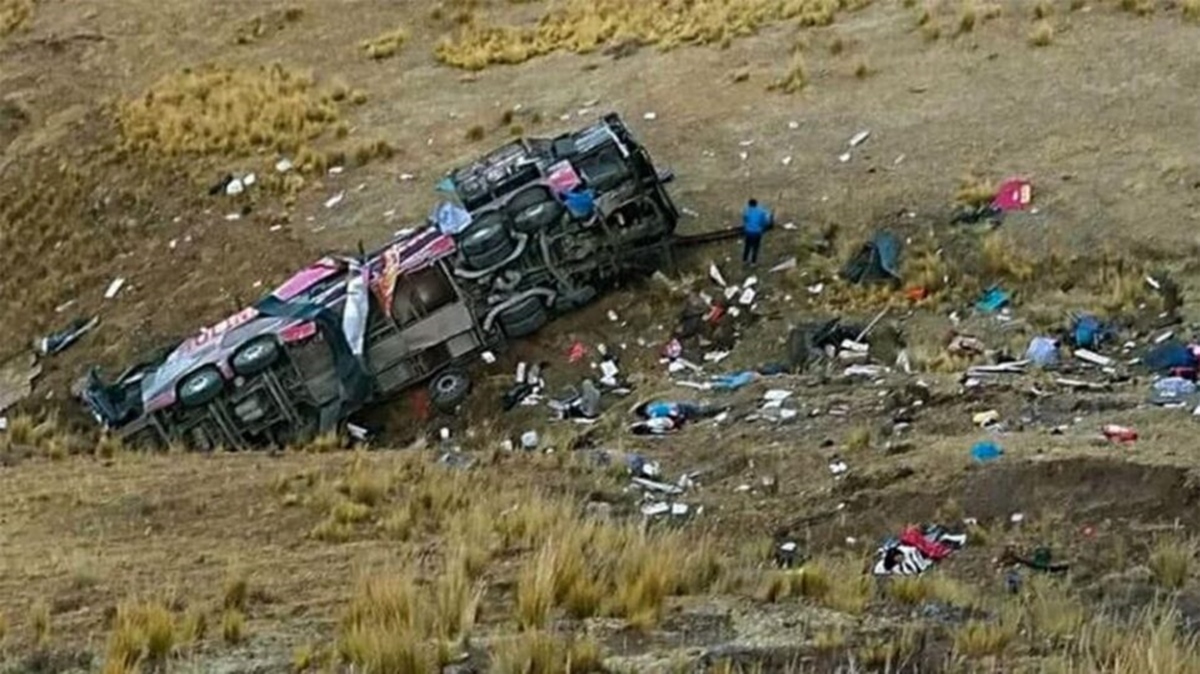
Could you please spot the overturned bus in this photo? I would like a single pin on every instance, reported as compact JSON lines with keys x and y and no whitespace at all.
{"x":534,"y":229}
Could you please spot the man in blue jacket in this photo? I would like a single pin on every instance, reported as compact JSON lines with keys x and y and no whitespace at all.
{"x":755,"y":221}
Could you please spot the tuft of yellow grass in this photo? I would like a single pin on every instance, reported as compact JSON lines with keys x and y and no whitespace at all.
{"x":14,"y":14}
{"x":794,"y":79}
{"x":394,"y":625}
{"x":386,"y":45}
{"x":1171,"y":562}
{"x":1042,"y":34}
{"x":233,"y":626}
{"x":583,"y":26}
{"x":542,"y":652}
{"x":39,"y":622}
{"x":968,"y":16}
{"x":216,"y":110}
{"x":143,"y":634}
{"x":1190,"y":10}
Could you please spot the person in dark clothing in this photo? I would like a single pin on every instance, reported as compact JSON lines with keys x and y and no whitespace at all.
{"x":755,"y":221}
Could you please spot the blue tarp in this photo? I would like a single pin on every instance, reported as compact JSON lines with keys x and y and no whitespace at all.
{"x":986,"y":451}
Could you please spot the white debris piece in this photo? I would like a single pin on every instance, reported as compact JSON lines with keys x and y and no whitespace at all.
{"x":608,"y":373}
{"x":488,"y":357}
{"x":787,"y":264}
{"x":233,"y":216}
{"x":529,"y":439}
{"x":335,"y":199}
{"x":406,"y":177}
{"x":777,"y":395}
{"x":750,"y":282}
{"x":715,"y":356}
{"x":786,"y":161}
{"x":284,"y":165}
{"x":114,"y":288}
{"x":789,"y":226}
{"x":1093,"y":357}
{"x":838,"y":467}
{"x":747,"y":297}
{"x":612,"y":316}
{"x":715,"y":274}
{"x":816,"y":289}
{"x":249,"y":179}
{"x":746,"y":143}
{"x":743,"y":156}
{"x":337,"y":170}
{"x":860,"y":137}
{"x":650,"y":116}
{"x":234,"y":187}
{"x":793,"y":125}
{"x":844,"y":157}
{"x":653,"y":485}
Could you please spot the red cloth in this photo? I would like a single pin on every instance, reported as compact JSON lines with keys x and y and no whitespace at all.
{"x":912,"y":536}
{"x":1014,"y":194}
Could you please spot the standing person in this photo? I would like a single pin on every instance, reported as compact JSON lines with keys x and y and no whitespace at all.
{"x":755,"y":221}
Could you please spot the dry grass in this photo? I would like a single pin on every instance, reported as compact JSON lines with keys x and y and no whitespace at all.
{"x":1042,"y":34}
{"x":858,"y":439}
{"x":1139,"y":7}
{"x":386,"y":45}
{"x":1171,"y":562}
{"x":1053,"y":613}
{"x":836,"y":583}
{"x":214,"y":110}
{"x":262,"y":26}
{"x":144,"y":634}
{"x":935,"y":587}
{"x":1042,"y":10}
{"x":980,"y":638}
{"x":40,"y":623}
{"x":233,"y":626}
{"x":541,"y":652}
{"x":968,"y":16}
{"x":862,"y":68}
{"x":582,"y":26}
{"x":14,"y":14}
{"x":794,"y":79}
{"x":1190,"y":10}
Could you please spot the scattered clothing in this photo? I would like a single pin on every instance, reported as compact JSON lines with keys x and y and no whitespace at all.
{"x":915,"y":550}
{"x":986,"y":451}
{"x":1042,"y":351}
{"x":1172,"y":391}
{"x":1042,"y":560}
{"x":994,"y":299}
{"x":1088,"y":332}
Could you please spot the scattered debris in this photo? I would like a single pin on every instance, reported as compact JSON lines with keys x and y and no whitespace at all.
{"x":1093,"y":358}
{"x":993,"y":299}
{"x":1042,"y":351}
{"x":860,"y":137}
{"x":284,"y":165}
{"x":16,"y":379}
{"x":114,"y":288}
{"x":336,"y":199}
{"x":60,"y":340}
{"x":915,"y":550}
{"x":986,"y":451}
{"x":1117,"y":433}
